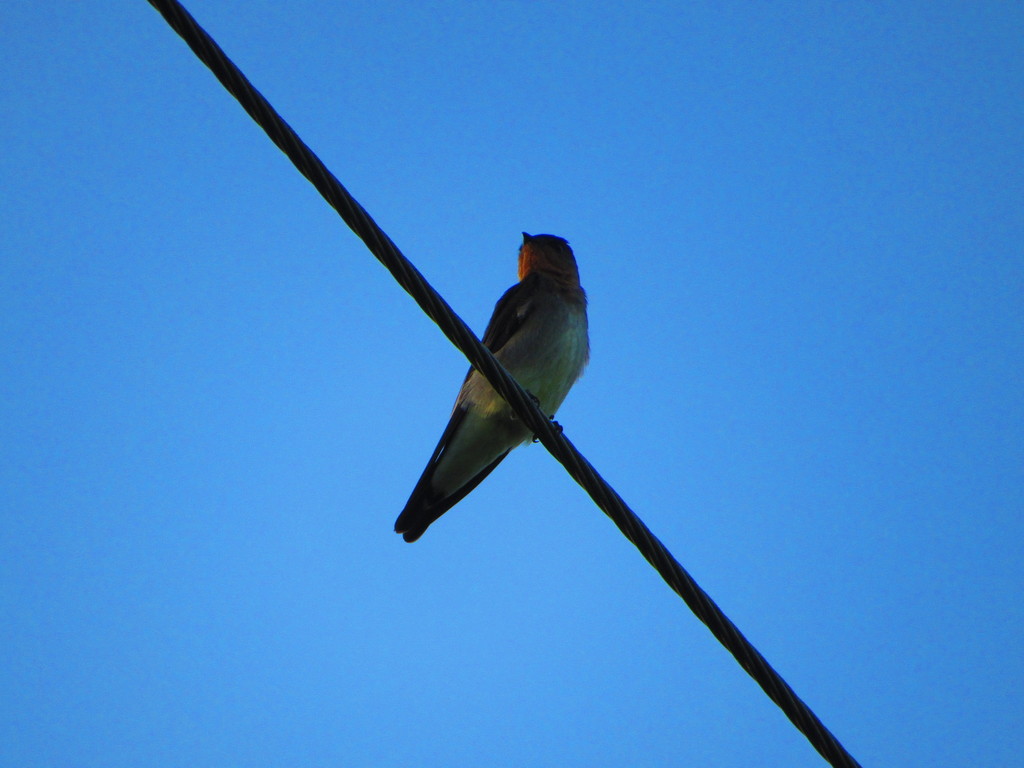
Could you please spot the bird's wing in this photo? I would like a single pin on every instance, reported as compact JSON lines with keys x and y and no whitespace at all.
{"x":424,"y":507}
{"x":510,"y":312}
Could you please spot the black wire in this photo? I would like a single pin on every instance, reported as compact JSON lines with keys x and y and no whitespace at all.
{"x":481,"y":358}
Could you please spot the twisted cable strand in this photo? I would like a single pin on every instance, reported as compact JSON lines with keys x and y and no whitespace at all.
{"x":552,"y":437}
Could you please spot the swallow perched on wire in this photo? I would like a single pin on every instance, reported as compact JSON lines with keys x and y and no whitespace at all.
{"x":539,"y":333}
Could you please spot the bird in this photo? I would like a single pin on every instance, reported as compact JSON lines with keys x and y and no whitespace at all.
{"x":538,"y":332}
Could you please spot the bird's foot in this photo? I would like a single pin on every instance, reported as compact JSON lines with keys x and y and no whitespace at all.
{"x":555,"y":424}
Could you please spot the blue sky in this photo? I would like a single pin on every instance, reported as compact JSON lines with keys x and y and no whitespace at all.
{"x":800,"y":228}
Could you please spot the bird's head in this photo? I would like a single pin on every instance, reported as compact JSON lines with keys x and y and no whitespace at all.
{"x":551,"y":255}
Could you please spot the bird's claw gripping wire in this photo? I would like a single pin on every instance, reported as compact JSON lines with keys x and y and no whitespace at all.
{"x":551,"y":418}
{"x":555,"y":424}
